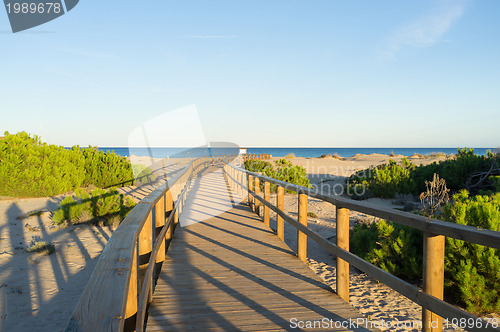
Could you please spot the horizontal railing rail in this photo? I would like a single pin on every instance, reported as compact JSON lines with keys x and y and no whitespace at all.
{"x":121,"y":287}
{"x":430,"y":298}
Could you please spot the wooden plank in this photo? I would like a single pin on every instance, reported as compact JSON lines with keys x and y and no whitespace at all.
{"x":267,"y":197}
{"x":145,"y":246}
{"x":257,"y":192}
{"x":343,"y":243}
{"x":250,"y":188}
{"x":302,"y":237}
{"x":159,"y":224}
{"x":433,"y":278}
{"x":280,"y":203}
{"x":131,"y":296}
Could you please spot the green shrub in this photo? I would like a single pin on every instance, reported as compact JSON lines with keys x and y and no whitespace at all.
{"x":395,"y":248}
{"x":107,"y":169}
{"x":283,"y":171}
{"x":382,"y":181}
{"x":99,"y":204}
{"x":70,"y":210}
{"x":472,"y":270}
{"x":496,"y":182}
{"x":287,"y":172}
{"x":142,"y":174}
{"x":42,"y":247}
{"x":455,"y":171}
{"x":30,"y":168}
{"x":257,"y":166}
{"x":386,"y":180}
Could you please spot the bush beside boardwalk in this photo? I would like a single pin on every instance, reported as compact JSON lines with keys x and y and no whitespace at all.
{"x":472,"y":277}
{"x":30,"y":168}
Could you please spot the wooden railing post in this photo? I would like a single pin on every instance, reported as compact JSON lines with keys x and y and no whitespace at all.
{"x":267,"y":197}
{"x":343,"y":242}
{"x":131,"y":306}
{"x":145,"y":248}
{"x":159,"y":224}
{"x":257,"y":191}
{"x":238,"y":186}
{"x":250,"y":188}
{"x":434,"y":246}
{"x":280,"y":223}
{"x":301,"y":237}
{"x":176,"y":218}
{"x":231,"y":172}
{"x":169,"y":206}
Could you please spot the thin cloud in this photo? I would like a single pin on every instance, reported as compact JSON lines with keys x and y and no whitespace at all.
{"x":427,"y":30}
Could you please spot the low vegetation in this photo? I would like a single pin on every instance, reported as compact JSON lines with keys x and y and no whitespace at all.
{"x":393,"y":178}
{"x":30,"y":168}
{"x":395,"y":248}
{"x":472,"y":276}
{"x":282,"y":170}
{"x":42,"y":247}
{"x":142,"y":174}
{"x":472,"y":272}
{"x":100,"y":205}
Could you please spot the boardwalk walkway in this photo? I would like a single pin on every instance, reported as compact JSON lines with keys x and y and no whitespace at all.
{"x":227,"y":271}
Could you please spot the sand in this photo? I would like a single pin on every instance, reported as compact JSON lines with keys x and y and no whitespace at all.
{"x":40,"y":292}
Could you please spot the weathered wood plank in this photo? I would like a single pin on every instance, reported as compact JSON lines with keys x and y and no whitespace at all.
{"x":343,"y":243}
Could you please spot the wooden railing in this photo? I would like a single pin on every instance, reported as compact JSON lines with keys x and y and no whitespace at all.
{"x":121,"y":287}
{"x":430,"y":298}
{"x":262,"y":156}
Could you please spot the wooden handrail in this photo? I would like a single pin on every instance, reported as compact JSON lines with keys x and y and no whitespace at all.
{"x":120,"y":289}
{"x":434,"y":229}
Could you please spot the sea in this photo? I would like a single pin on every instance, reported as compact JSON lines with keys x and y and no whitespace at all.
{"x":278,"y":152}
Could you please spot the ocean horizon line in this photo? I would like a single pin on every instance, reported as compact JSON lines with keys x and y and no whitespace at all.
{"x":164,"y":152}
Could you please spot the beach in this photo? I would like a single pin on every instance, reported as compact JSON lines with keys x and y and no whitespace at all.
{"x":40,"y":292}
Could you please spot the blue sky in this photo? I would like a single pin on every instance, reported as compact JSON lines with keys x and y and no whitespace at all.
{"x":320,"y":73}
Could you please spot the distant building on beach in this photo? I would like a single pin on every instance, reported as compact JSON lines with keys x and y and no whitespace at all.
{"x":243,"y":150}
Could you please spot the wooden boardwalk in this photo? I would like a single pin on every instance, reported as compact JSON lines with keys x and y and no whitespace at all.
{"x":229,"y":272}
